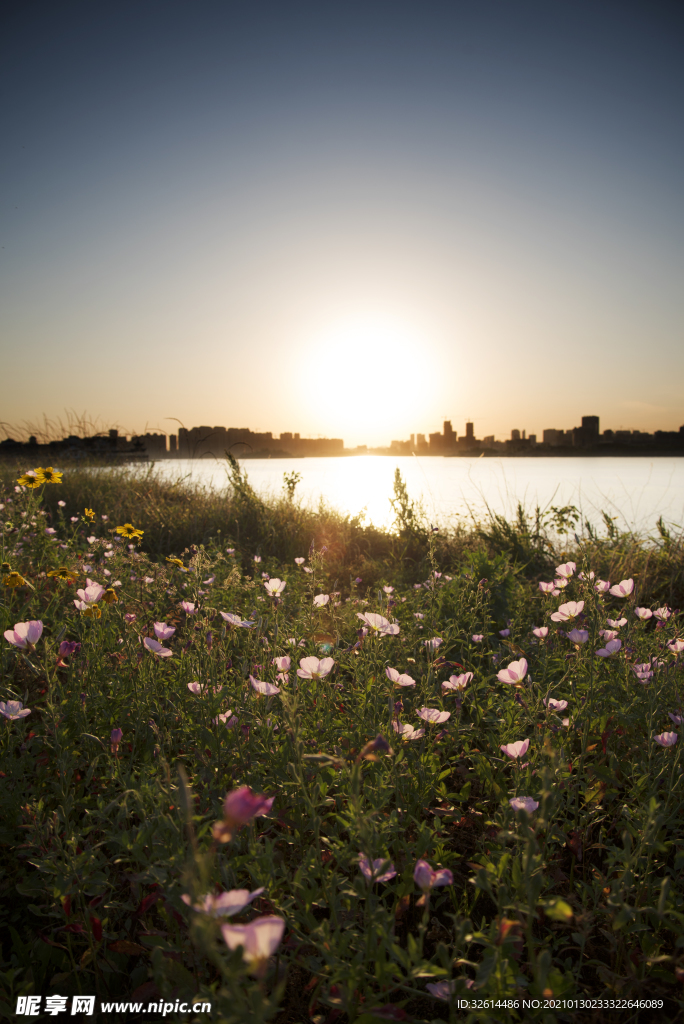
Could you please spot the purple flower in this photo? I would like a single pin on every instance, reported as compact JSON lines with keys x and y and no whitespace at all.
{"x":578,"y":636}
{"x":612,"y":647}
{"x":374,"y":873}
{"x":426,"y":879}
{"x":115,"y":739}
{"x":524,"y":803}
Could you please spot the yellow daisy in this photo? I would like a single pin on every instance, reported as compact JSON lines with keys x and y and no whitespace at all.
{"x":129,"y":532}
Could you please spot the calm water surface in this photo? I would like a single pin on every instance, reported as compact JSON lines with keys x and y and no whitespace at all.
{"x":636,"y":490}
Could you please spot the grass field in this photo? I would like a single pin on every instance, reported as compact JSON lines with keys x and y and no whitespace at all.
{"x":304,"y":770}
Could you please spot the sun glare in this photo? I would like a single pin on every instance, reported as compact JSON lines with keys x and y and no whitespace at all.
{"x":377,"y":373}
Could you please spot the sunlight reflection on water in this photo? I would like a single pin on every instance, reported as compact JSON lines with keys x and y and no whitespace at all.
{"x":636,"y":490}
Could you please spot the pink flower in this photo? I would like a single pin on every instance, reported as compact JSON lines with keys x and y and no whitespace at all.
{"x":230,"y":551}
{"x":524,"y":803}
{"x":257,"y":558}
{"x":239,"y":807}
{"x":514,"y":674}
{"x":555,"y":705}
{"x":235,"y":620}
{"x":426,"y":879}
{"x":375,"y":873}
{"x":547,"y":588}
{"x":267,"y":689}
{"x":129,"y":618}
{"x":13,"y":710}
{"x":195,"y":688}
{"x":622,"y":589}
{"x":608,"y":634}
{"x":662,"y":613}
{"x":91,"y":595}
{"x":477,"y":638}
{"x":225,"y":904}
{"x":643,"y":672}
{"x":504,"y":632}
{"x":228,"y":719}
{"x":378,"y":624}
{"x":259,"y":939}
{"x":434,"y":643}
{"x":406,"y":731}
{"x":418,"y":615}
{"x":586,"y":576}
{"x":566,"y":570}
{"x":275,"y":586}
{"x":457,"y":682}
{"x":399,"y":678}
{"x":559,"y":584}
{"x":666,"y":739}
{"x":676,"y":646}
{"x":162,"y":631}
{"x":282,"y":664}
{"x":156,"y":648}
{"x":445,"y":989}
{"x":115,"y":739}
{"x":314,"y":668}
{"x":612,"y":647}
{"x":515,"y":750}
{"x":388,"y":590}
{"x":568,"y":611}
{"x":578,"y":636}
{"x":643,"y":613}
{"x":320,"y":600}
{"x":433,"y":715}
{"x":677,"y":719}
{"x":616,"y":623}
{"x":601,"y":586}
{"x":25,"y":634}
{"x":188,"y":607}
{"x":300,"y":561}
{"x":540,"y":631}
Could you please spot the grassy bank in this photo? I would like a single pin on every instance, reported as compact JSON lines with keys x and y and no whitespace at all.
{"x":369,"y":698}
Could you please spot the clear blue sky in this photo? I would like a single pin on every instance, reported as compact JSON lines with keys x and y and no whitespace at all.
{"x":349,"y":219}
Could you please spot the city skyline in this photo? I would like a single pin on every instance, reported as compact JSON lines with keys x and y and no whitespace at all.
{"x":343,"y":219}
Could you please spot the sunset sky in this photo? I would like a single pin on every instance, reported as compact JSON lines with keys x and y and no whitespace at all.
{"x":345,"y":219}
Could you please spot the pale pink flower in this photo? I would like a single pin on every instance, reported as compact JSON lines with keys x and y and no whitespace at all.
{"x":457,"y":682}
{"x":568,"y":611}
{"x":477,"y":638}
{"x":282,"y":664}
{"x":622,"y":589}
{"x":418,"y":615}
{"x":434,"y":643}
{"x":677,"y":719}
{"x":578,"y":636}
{"x":540,"y":631}
{"x":515,"y":750}
{"x":315,"y":668}
{"x":188,"y":607}
{"x":399,"y":678}
{"x":433,"y":715}
{"x":426,"y":879}
{"x":504,"y":632}
{"x":445,"y":989}
{"x":25,"y":634}
{"x":601,"y":586}
{"x":320,"y":600}
{"x":566,"y":570}
{"x":560,"y":584}
{"x":61,"y":504}
{"x":676,"y":646}
{"x":225,"y":904}
{"x":586,"y":576}
{"x":406,"y":731}
{"x":608,"y":634}
{"x":388,"y":590}
{"x":514,"y":674}
{"x":612,"y":647}
{"x":162,"y":631}
{"x":228,"y":719}
{"x":374,"y":873}
{"x":643,"y":672}
{"x":257,"y":558}
{"x":235,"y":620}
{"x":156,"y":648}
{"x":91,"y":540}
{"x":547,"y":588}
{"x":267,"y":689}
{"x":300,"y":561}
{"x":662,"y":613}
{"x":555,"y":705}
{"x":643,"y":613}
{"x":307,"y":569}
{"x":239,"y":807}
{"x":378,"y":624}
{"x":259,"y":939}
{"x":275,"y":586}
{"x":13,"y":710}
{"x":666,"y":739}
{"x":91,"y":595}
{"x":524,"y":803}
{"x":230,"y":551}
{"x":209,"y":581}
{"x":195,"y":688}
{"x":616,"y":623}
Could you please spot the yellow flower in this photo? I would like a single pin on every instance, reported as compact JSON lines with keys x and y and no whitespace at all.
{"x":31,"y":479}
{"x":5,"y":567}
{"x":129,"y":531}
{"x":50,"y":475}
{"x":89,"y":513}
{"x":109,"y":596}
{"x":63,"y":573}
{"x":175,"y":561}
{"x":93,"y":612}
{"x":14,"y":579}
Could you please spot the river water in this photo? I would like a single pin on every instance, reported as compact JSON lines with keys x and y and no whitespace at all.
{"x":635,"y":490}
